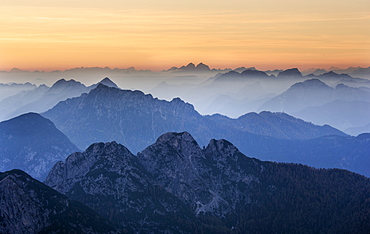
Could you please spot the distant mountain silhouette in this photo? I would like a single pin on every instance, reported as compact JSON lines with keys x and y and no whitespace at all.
{"x":311,"y":93}
{"x":339,"y":113}
{"x":334,"y":75}
{"x":7,"y":90}
{"x":279,"y":125}
{"x":300,"y":95}
{"x":135,"y":119}
{"x":201,"y":67}
{"x":43,"y":98}
{"x":233,"y":76}
{"x":290,"y":73}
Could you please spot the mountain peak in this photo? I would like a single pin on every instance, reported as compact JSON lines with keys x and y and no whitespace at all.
{"x":177,"y":141}
{"x":78,"y":164}
{"x":221,"y":146}
{"x":341,"y":86}
{"x":290,"y":73}
{"x":108,"y":82}
{"x":190,"y":65}
{"x":62,"y":85}
{"x":254,"y":73}
{"x":101,"y":86}
{"x":28,"y":120}
{"x":32,"y":143}
{"x":332,"y":74}
{"x":202,"y":67}
{"x":311,"y":83}
{"x":63,"y":82}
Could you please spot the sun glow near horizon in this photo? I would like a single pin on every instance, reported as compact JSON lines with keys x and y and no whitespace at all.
{"x":48,"y":35}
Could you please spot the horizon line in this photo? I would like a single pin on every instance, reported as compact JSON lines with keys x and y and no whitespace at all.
{"x":133,"y":68}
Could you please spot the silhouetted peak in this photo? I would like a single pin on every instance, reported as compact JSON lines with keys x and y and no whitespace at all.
{"x":202,"y":67}
{"x":311,"y":83}
{"x":341,"y":86}
{"x":332,"y":74}
{"x":108,"y":82}
{"x":102,"y":86}
{"x":62,"y":83}
{"x":17,"y":70}
{"x":190,"y":65}
{"x":254,"y":73}
{"x":177,"y":100}
{"x":293,"y":72}
{"x":241,"y":69}
{"x":28,"y":120}
{"x":319,"y":71}
{"x":227,"y":76}
{"x":232,"y":73}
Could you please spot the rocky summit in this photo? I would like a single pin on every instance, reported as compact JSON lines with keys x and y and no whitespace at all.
{"x":175,"y":186}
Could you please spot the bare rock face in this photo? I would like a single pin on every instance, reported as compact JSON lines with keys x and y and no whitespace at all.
{"x":204,"y":179}
{"x":77,"y":165}
{"x":174,"y":161}
{"x":28,"y":206}
{"x":174,"y":186}
{"x":111,"y":180}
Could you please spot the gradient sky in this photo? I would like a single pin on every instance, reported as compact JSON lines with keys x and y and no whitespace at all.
{"x":147,"y":34}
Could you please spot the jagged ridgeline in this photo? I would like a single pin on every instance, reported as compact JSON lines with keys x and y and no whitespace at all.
{"x":175,"y":186}
{"x":135,"y":120}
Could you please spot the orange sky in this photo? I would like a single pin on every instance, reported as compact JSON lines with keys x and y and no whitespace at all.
{"x":50,"y":34}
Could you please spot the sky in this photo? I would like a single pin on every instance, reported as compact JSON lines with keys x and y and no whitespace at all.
{"x":52,"y":34}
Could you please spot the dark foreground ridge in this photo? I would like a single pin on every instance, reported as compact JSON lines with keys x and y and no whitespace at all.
{"x":28,"y":206}
{"x":175,"y":186}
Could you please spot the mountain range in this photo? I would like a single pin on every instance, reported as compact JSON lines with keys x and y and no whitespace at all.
{"x":313,"y":92}
{"x":148,"y":165}
{"x":135,"y":120}
{"x":11,"y":89}
{"x":42,"y":98}
{"x":175,"y":186}
{"x":315,"y":101}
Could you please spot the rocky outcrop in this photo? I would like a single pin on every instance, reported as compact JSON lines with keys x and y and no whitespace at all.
{"x":111,"y":180}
